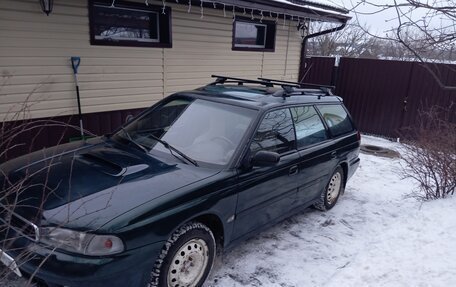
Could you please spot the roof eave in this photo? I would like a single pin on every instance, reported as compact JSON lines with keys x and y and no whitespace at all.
{"x":278,"y":8}
{"x":330,"y":15}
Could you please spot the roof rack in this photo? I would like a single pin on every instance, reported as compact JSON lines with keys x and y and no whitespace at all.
{"x":296,"y":84}
{"x":239,"y":81}
{"x":289,"y":88}
{"x":327,"y":89}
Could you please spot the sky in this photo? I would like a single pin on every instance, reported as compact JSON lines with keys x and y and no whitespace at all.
{"x":378,"y":23}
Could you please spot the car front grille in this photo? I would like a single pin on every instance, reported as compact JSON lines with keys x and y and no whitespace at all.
{"x":18,"y":223}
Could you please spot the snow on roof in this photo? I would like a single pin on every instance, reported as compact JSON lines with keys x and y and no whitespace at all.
{"x":325,"y":6}
{"x":328,"y":3}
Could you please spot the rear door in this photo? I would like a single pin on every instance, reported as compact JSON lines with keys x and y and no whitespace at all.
{"x":315,"y":149}
{"x":267,"y":193}
{"x":345,"y":142}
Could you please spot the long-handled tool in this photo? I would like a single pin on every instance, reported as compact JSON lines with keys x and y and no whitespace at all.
{"x":75,"y":61}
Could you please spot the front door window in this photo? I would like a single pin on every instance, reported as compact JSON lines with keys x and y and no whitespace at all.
{"x":276,"y":133}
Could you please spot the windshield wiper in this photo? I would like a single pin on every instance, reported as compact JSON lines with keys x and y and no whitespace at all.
{"x":133,"y":141}
{"x":171,"y":149}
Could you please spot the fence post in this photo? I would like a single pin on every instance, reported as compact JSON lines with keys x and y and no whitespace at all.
{"x":335,"y":71}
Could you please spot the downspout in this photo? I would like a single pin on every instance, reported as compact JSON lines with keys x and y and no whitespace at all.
{"x":304,"y":47}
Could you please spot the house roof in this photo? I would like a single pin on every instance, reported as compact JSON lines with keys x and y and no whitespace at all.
{"x":321,"y":5}
{"x":325,"y":4}
{"x":321,"y":10}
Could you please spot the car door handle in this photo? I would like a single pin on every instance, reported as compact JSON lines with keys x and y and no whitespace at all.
{"x":293,"y":170}
{"x":333,"y":155}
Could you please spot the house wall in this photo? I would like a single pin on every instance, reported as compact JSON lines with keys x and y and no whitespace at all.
{"x":35,"y":66}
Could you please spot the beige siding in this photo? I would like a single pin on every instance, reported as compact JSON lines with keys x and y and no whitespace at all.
{"x":35,"y":67}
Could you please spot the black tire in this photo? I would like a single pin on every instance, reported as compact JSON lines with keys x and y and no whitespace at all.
{"x":164,"y":269}
{"x":326,"y":201}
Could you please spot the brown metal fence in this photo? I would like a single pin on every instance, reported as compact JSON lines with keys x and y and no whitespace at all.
{"x":319,"y":70}
{"x":385,"y":96}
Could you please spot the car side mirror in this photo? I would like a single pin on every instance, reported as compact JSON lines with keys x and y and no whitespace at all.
{"x":128,"y":118}
{"x":265,"y":158}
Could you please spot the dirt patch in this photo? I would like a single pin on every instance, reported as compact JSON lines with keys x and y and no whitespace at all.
{"x":380,"y":151}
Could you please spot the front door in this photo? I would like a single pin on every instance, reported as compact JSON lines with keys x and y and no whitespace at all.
{"x":267,"y":193}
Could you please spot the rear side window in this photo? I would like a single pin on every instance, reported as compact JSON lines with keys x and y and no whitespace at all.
{"x":309,"y":127}
{"x":276,"y":133}
{"x":336,"y":118}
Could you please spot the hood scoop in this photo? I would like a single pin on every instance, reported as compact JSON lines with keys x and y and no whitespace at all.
{"x":108,"y":166}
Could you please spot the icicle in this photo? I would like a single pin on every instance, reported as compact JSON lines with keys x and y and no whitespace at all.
{"x":164,"y":7}
{"x":244,"y":12}
{"x":261,"y":19}
{"x":277,"y":18}
{"x":147,"y":2}
{"x":189,"y":6}
{"x":284,"y":18}
{"x":270,"y":14}
{"x":251,"y":13}
{"x":202,"y":9}
{"x":112,"y":4}
{"x":215,"y":6}
{"x":291,"y":17}
{"x":234,"y":14}
{"x":224,"y":11}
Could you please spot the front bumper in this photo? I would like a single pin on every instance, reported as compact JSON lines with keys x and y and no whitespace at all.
{"x":130,"y":268}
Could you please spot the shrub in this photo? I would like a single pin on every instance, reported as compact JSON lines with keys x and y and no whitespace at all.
{"x":430,"y":153}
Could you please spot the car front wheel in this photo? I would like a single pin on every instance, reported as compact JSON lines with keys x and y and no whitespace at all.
{"x":186,"y":259}
{"x":333,"y":190}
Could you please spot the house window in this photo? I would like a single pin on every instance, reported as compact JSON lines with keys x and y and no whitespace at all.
{"x":129,"y":24}
{"x":249,"y":35}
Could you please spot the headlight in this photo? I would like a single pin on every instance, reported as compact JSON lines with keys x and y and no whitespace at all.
{"x":81,"y":242}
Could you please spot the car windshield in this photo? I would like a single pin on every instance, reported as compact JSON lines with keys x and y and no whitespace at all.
{"x":204,"y":131}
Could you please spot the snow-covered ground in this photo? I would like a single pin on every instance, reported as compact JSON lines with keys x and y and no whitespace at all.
{"x":375,"y":236}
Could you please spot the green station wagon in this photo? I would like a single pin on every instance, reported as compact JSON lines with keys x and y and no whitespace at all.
{"x":201,"y":170}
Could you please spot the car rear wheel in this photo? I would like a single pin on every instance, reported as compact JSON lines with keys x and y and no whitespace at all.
{"x":186,"y":259}
{"x":333,"y":190}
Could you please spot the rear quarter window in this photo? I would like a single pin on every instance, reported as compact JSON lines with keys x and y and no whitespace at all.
{"x":336,"y":118}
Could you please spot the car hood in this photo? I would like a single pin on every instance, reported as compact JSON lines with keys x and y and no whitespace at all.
{"x":85,"y":184}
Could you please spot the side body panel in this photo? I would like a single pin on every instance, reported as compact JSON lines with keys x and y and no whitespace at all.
{"x":265,"y":193}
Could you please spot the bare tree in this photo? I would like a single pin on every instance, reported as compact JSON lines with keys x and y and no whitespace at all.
{"x":13,"y":190}
{"x":426,"y":29}
{"x":349,"y":42}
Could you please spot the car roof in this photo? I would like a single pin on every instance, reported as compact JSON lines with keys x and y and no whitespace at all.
{"x":259,"y":96}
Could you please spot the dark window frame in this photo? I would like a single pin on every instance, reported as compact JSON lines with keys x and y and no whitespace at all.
{"x":164,"y":25}
{"x":270,"y":37}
